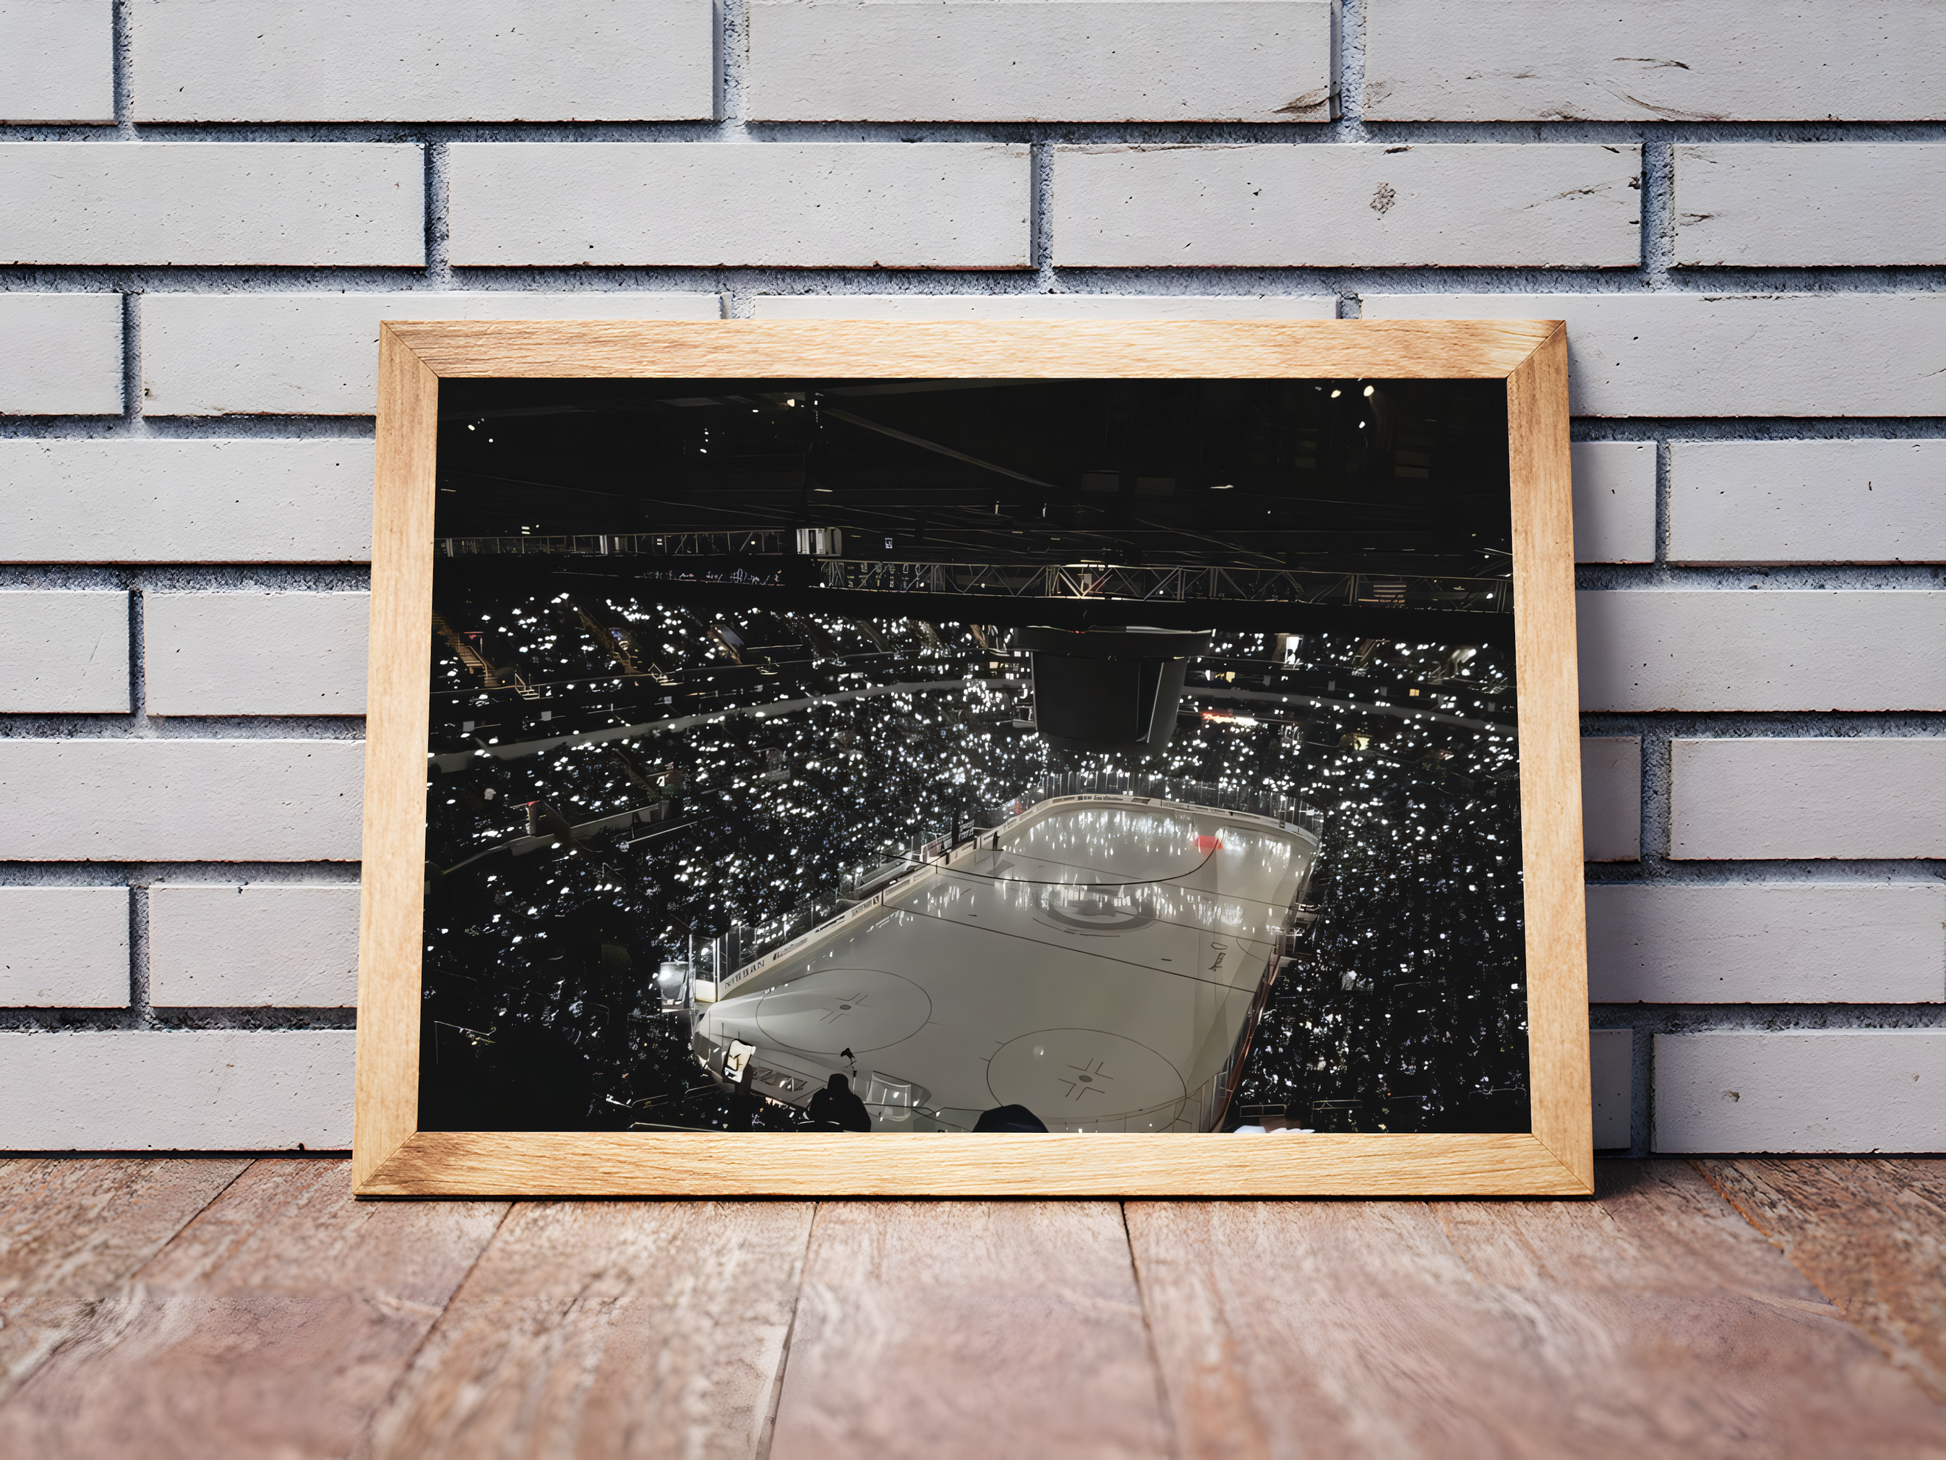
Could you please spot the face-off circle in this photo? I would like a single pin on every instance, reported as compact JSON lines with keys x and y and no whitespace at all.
{"x":1071,"y":1077}
{"x":835,"y":1009}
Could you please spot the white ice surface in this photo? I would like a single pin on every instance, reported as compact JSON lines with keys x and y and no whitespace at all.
{"x":1097,"y":968}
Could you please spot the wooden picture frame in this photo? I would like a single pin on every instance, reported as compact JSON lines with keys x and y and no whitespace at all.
{"x":393,"y":1157}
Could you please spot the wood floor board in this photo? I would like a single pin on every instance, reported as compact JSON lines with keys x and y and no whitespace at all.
{"x":272,"y":1325}
{"x":1649,"y":1321}
{"x":611,"y":1329}
{"x":964,"y":1329}
{"x":1870,"y":1233}
{"x":73,"y":1229}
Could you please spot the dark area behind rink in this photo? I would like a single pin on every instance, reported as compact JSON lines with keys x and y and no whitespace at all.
{"x":1386,"y":702}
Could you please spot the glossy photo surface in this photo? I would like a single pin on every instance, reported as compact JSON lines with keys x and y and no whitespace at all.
{"x":964,"y":755}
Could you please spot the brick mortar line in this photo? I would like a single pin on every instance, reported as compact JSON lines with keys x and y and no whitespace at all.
{"x":266,"y":1018}
{"x":80,"y":729}
{"x":1772,"y":872}
{"x":178,"y":874}
{"x":1767,"y":578}
{"x":1766,"y":1018}
{"x":733,"y":127}
{"x":241,"y":577}
{"x":746,"y":281}
{"x":1768,"y":724}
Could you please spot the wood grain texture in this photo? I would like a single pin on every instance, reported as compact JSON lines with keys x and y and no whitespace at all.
{"x":999,"y":349}
{"x":71,"y":1230}
{"x":398,"y":724}
{"x":1870,"y":1234}
{"x":618,"y":1329}
{"x":1652,"y":1321}
{"x":271,"y":1325}
{"x":453,"y":1163}
{"x":1550,"y":756}
{"x":390,"y":1159}
{"x":970,"y":1329}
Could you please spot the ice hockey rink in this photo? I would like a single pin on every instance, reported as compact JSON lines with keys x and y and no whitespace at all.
{"x":1094,"y":960}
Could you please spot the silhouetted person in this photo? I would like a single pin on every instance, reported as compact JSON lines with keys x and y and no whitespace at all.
{"x":838,"y":1108}
{"x":1016,"y":1118}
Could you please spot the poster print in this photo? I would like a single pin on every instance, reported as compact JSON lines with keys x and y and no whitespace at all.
{"x":915,"y":755}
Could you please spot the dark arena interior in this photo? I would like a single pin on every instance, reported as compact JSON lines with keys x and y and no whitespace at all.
{"x":712,"y":660}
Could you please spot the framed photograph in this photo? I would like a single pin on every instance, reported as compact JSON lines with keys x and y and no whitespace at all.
{"x":867,"y":758}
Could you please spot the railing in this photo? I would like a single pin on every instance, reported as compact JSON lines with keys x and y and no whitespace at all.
{"x":1169,"y":583}
{"x":1291,"y":810}
{"x":764,"y":542}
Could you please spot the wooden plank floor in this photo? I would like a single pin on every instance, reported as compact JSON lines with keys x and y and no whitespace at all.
{"x":217,"y":1308}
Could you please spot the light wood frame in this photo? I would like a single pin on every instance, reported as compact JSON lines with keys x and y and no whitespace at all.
{"x":392,"y":1157}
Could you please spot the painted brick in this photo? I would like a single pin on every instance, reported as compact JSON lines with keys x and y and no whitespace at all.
{"x":1536,"y":204}
{"x":61,"y":354}
{"x":212,"y":203}
{"x":181,"y":800}
{"x":1807,"y":502}
{"x":64,"y":653}
{"x":1611,"y":1080}
{"x":1803,"y":203}
{"x":1809,"y":798}
{"x":255,"y":653}
{"x":1654,"y":60}
{"x":187,"y":1089}
{"x":1741,"y":355}
{"x":1614,"y":501}
{"x":57,"y":61}
{"x":251,"y":945}
{"x":132,"y":500}
{"x":1738,"y":649}
{"x":1850,"y":1090}
{"x":1782,"y":943}
{"x":431,"y":61}
{"x":1065,"y":61}
{"x":1611,"y":798}
{"x":63,"y":948}
{"x":1045,"y":306}
{"x":317,"y":354}
{"x":866,"y":204}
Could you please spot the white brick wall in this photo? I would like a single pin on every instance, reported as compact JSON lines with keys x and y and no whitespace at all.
{"x":106,"y":800}
{"x":1611,"y":798}
{"x":1757,"y":943}
{"x":213,"y":203}
{"x":1733,"y":649}
{"x":57,"y":61}
{"x":1811,"y":798}
{"x":432,"y":60}
{"x":282,"y":177}
{"x":1654,"y":60}
{"x":1807,"y":502}
{"x":178,"y":1089}
{"x":258,"y":943}
{"x":1614,"y":502}
{"x":317,"y":354}
{"x":1043,"y":306}
{"x":1806,"y":1090}
{"x":60,"y":354}
{"x":1052,"y":61}
{"x":132,"y":500}
{"x":1807,"y":203}
{"x":1536,"y":204}
{"x":64,"y":653}
{"x":862,"y":205}
{"x":256,"y":653}
{"x":64,"y":947}
{"x":1692,"y":354}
